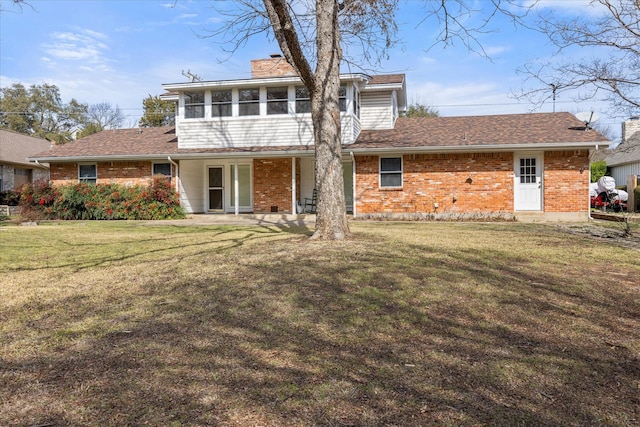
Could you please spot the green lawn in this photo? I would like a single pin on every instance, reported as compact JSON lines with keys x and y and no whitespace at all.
{"x":406,"y":324}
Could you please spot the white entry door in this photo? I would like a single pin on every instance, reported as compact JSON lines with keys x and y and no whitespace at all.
{"x":528,"y":183}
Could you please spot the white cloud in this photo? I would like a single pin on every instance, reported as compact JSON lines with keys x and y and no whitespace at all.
{"x":78,"y":46}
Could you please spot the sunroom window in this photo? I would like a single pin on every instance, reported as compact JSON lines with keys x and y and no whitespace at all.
{"x":221,"y":103}
{"x":249,"y":102}
{"x":277,"y":100}
{"x":193,"y":105}
{"x":342,"y":98}
{"x":303,"y":100}
{"x":390,"y":172}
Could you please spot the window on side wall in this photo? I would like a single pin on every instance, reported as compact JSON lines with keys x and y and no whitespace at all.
{"x":193,"y":105}
{"x":342,"y":98}
{"x":163,"y":169}
{"x":249,"y":102}
{"x":390,"y":172}
{"x":221,"y":103}
{"x":303,"y":100}
{"x":277,"y":100}
{"x":88,"y":173}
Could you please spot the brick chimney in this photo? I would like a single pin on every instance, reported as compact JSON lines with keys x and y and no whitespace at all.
{"x":630,"y":127}
{"x":276,"y":66}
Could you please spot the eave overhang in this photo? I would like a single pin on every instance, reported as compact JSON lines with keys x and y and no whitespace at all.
{"x":307,"y":151}
{"x":271,"y":81}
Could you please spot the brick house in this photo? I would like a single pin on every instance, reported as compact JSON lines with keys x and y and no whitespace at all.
{"x":246,"y":146}
{"x":15,"y":168}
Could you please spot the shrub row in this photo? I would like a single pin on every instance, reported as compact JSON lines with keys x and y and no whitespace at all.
{"x":100,"y":201}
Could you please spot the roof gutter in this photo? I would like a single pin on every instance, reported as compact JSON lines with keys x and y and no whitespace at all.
{"x":310,"y":152}
{"x":478,"y":148}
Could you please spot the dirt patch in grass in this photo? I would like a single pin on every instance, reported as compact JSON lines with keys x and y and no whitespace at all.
{"x":405,"y":324}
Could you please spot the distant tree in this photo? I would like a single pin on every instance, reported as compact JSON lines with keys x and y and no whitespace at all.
{"x":598,"y":170}
{"x":39,"y":111}
{"x":157,"y":112}
{"x":420,"y":110}
{"x":89,"y":129}
{"x":613,"y":38}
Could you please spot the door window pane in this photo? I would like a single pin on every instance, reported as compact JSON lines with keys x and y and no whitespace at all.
{"x":244,"y":185}
{"x":528,"y":170}
{"x":215,"y":199}
{"x":215,"y":177}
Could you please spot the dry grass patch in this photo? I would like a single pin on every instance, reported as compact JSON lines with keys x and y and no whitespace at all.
{"x":406,"y":324}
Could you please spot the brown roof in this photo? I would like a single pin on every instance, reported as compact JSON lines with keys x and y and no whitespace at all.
{"x":386,"y":79}
{"x":478,"y":131}
{"x":562,"y":129}
{"x":119,"y":142}
{"x":17,"y":147}
{"x":627,"y":152}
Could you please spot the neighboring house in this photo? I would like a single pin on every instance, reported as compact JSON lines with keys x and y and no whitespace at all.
{"x":624,"y":160}
{"x":15,"y":167}
{"x":246,"y":145}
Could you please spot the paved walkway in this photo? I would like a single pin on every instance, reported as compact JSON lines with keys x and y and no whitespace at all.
{"x":266,"y":220}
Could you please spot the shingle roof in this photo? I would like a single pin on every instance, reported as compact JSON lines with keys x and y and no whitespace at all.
{"x":478,"y":131}
{"x":386,"y":79}
{"x":119,"y":142}
{"x":561,"y":129}
{"x":17,"y":147}
{"x":627,"y":152}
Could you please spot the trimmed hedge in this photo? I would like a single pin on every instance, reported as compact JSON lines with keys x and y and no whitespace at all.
{"x":100,"y":201}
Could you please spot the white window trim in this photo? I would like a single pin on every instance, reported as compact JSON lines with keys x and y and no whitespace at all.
{"x":381,"y":172}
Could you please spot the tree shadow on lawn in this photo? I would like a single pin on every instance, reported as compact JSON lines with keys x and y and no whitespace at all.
{"x":84,"y":255}
{"x":307,"y":337}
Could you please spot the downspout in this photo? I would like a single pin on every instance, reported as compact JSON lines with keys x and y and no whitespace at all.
{"x":177,"y":175}
{"x":353,"y":183}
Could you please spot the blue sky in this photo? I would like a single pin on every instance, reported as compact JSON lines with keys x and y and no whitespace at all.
{"x":121,"y":51}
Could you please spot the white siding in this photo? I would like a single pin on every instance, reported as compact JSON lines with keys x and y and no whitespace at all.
{"x":376,"y":111}
{"x":252,"y":132}
{"x":621,"y":172}
{"x":192,"y":183}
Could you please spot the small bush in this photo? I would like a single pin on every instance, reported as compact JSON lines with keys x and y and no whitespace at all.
{"x":101,"y":201}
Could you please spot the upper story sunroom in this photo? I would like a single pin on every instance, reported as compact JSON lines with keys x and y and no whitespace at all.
{"x":274,"y":108}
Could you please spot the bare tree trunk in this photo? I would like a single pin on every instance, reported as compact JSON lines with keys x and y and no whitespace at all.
{"x":323,"y":86}
{"x":331,"y":219}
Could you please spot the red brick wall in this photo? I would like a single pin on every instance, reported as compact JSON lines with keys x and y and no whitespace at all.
{"x":566,"y":181}
{"x":477,"y":182}
{"x":272,"y":184}
{"x":271,"y":67}
{"x":125,"y":173}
